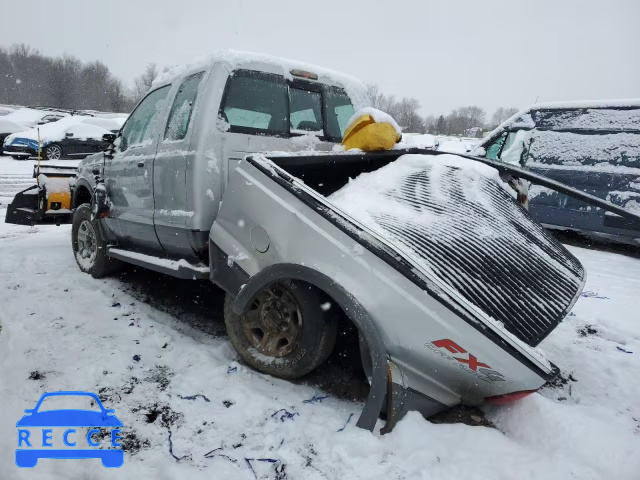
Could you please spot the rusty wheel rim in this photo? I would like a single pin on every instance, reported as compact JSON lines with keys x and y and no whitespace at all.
{"x":273,"y":325}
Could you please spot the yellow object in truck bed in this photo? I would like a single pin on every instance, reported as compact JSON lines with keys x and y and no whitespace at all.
{"x":369,"y":136}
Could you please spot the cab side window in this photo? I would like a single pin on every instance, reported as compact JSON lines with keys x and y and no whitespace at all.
{"x":256,"y":103}
{"x":182,"y":108}
{"x":143,"y":122}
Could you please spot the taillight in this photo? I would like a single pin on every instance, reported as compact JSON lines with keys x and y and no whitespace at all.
{"x":509,"y":397}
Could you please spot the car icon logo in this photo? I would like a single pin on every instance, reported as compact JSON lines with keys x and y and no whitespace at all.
{"x":27,"y":453}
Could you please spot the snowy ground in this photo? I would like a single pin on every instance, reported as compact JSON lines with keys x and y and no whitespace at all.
{"x":190,"y":410}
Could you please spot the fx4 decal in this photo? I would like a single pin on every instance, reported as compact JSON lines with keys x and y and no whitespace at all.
{"x":466,"y":360}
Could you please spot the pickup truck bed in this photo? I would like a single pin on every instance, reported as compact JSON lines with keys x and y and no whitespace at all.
{"x":452,"y":311}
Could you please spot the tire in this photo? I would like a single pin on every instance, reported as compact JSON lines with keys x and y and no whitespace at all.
{"x":89,"y":249}
{"x":53,"y":152}
{"x":310,"y":332}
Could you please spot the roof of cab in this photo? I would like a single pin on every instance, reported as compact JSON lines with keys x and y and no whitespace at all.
{"x":234,"y":59}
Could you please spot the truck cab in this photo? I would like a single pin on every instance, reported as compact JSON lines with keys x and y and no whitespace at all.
{"x":166,"y":175}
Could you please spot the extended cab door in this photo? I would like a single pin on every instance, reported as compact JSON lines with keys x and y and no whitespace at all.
{"x":129,"y":174}
{"x":171,"y":211}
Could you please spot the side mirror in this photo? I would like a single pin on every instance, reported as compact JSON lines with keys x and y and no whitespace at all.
{"x":109,"y":137}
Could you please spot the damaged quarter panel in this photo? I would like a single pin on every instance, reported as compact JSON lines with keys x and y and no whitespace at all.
{"x":443,"y":350}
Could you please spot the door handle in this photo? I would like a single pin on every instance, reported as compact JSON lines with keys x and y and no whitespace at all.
{"x":141,"y":164}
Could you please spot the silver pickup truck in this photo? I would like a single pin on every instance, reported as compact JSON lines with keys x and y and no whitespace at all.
{"x":448,"y":280}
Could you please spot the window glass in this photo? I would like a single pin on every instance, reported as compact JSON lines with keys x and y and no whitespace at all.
{"x":494,"y":149}
{"x":306,"y":111}
{"x":256,"y":102}
{"x":51,"y":118}
{"x":142,"y":123}
{"x":247,"y":118}
{"x":513,"y":150}
{"x":339,"y":111}
{"x":182,"y":108}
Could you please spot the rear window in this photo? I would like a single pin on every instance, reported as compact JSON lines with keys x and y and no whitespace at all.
{"x":256,"y":103}
{"x":261,"y":103}
{"x":339,"y":110}
{"x":306,"y":111}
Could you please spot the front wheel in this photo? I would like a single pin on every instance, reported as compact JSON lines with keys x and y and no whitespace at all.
{"x":89,"y":249}
{"x":286,"y":331}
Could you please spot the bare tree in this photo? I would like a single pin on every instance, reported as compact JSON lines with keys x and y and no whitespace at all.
{"x":430,"y":122}
{"x":143,"y":82}
{"x":404,"y":111}
{"x":30,"y":78}
{"x":466,"y":121}
{"x":441,"y":126}
{"x":501,"y":114}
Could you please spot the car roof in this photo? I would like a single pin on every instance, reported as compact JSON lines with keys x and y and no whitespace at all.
{"x":578,"y":104}
{"x":615,"y":104}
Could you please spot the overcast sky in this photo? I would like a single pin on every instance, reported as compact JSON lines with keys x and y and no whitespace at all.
{"x":444,"y":53}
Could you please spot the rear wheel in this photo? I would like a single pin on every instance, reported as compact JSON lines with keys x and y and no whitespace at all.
{"x":89,"y":249}
{"x":285,"y":331}
{"x":53,"y":152}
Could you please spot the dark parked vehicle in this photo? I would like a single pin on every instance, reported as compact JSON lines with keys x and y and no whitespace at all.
{"x":591,"y":146}
{"x":72,"y":137}
{"x":25,"y":118}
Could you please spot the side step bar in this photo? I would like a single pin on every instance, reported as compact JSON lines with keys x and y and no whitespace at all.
{"x":176,"y":268}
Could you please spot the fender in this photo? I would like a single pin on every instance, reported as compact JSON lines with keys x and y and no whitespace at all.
{"x":354,"y":310}
{"x":80,"y":183}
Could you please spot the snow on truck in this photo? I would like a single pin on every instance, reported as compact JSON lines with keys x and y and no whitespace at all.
{"x":448,"y":280}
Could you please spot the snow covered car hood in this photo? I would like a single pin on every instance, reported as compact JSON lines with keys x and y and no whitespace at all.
{"x":457,"y":220}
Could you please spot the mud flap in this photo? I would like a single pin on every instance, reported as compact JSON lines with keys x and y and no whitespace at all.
{"x":402,"y":399}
